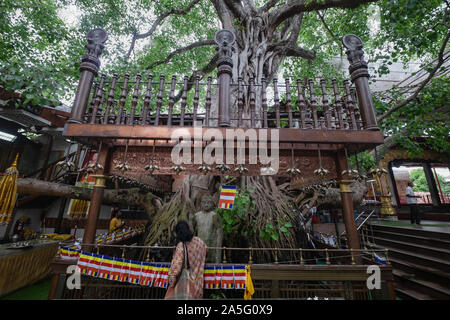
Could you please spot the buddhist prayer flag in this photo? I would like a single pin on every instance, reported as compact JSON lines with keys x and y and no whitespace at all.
{"x":227,"y":277}
{"x":218,"y":281}
{"x":152,"y":274}
{"x":209,"y":277}
{"x":240,"y":276}
{"x":227,"y":195}
{"x":69,"y":253}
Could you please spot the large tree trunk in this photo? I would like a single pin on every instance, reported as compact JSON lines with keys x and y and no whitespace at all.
{"x":130,"y":197}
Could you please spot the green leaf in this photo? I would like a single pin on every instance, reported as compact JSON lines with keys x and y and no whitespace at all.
{"x":283,"y":229}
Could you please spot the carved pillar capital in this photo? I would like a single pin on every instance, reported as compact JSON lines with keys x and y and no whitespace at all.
{"x":96,"y":39}
{"x":360,"y":77}
{"x":224,"y":40}
{"x":89,"y":67}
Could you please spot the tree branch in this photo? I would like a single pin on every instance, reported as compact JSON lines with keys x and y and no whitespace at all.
{"x":250,"y":4}
{"x":237,"y":9}
{"x":181,"y":50}
{"x":422,"y":85}
{"x":268,"y":5}
{"x":329,"y":31}
{"x":157,"y":22}
{"x":296,"y":25}
{"x":294,"y":7}
{"x":224,"y":13}
{"x":289,"y":50}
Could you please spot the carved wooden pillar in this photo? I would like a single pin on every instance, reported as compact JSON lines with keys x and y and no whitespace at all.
{"x":360,"y":77}
{"x":89,"y":69}
{"x":95,"y":201}
{"x":225,"y":40}
{"x":347,"y":202}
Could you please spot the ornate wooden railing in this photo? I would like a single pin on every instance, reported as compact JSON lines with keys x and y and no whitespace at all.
{"x":309,"y":104}
{"x":154,"y":101}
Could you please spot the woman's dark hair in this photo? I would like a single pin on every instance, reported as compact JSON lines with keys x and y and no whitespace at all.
{"x":115,"y":211}
{"x":183,"y":232}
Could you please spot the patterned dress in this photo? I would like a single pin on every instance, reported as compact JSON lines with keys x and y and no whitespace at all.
{"x":197,"y":253}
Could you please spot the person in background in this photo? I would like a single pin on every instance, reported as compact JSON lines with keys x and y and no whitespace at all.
{"x":326,"y":215}
{"x":196,"y":256}
{"x":116,"y":223}
{"x":411,"y":198}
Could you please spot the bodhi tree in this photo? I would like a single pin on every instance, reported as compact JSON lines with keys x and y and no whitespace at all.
{"x":295,"y":37}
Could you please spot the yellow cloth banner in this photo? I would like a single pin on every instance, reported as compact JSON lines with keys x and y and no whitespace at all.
{"x":8,"y":192}
{"x":249,"y":289}
{"x":57,"y":236}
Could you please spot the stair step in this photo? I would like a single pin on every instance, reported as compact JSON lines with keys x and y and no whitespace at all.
{"x":417,"y":258}
{"x":422,"y":249}
{"x":433,"y":289}
{"x":412,"y":231}
{"x":412,"y":238}
{"x":411,"y":294}
{"x":427,"y":273}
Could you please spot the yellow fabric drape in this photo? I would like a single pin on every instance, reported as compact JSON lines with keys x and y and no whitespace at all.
{"x":249,"y":289}
{"x":8,"y":192}
{"x":78,"y":209}
{"x":56,"y":236}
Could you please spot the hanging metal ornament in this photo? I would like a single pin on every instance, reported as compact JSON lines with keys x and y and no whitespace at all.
{"x":178,"y":168}
{"x":91,"y":168}
{"x":351,"y":172}
{"x":152,"y":167}
{"x":321,"y":171}
{"x":222,"y":168}
{"x":114,"y":178}
{"x":124,"y":165}
{"x":66,"y":164}
{"x":241,"y":169}
{"x":204,"y":168}
{"x":293,"y":171}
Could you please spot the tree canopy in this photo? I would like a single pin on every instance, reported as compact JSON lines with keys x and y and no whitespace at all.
{"x":42,"y":42}
{"x":420,"y":181}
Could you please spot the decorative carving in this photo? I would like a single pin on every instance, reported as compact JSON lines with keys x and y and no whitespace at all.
{"x":225,"y":40}
{"x":355,"y":54}
{"x":352,"y":42}
{"x":139,"y":157}
{"x":96,"y":39}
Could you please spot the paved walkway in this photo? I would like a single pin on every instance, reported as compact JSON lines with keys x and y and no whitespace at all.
{"x":426,"y":225}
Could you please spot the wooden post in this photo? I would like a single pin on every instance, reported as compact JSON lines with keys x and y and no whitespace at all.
{"x":391,"y":289}
{"x":95,"y":202}
{"x":225,"y":40}
{"x":47,"y":157}
{"x":62,"y":206}
{"x":347,"y":203}
{"x":89,"y":69}
{"x":360,"y":77}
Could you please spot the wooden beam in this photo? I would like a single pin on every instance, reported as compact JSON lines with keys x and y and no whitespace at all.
{"x":289,"y":135}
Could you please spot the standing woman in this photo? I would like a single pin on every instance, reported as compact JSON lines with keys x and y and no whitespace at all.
{"x":193,"y":261}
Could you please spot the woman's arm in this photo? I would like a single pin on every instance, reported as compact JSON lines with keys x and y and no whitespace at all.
{"x":176,"y":265}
